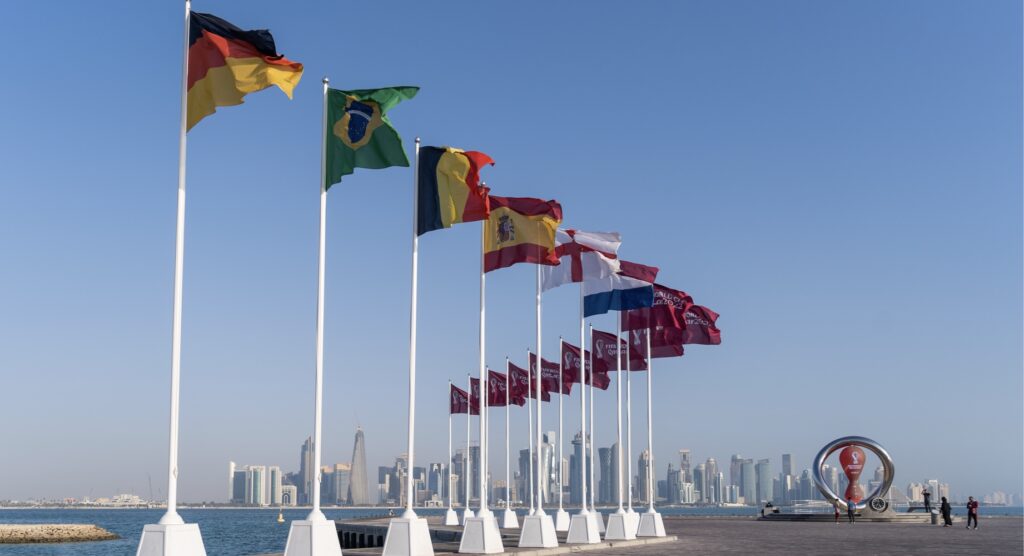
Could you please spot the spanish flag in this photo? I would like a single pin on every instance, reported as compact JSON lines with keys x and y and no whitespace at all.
{"x":225,"y":63}
{"x":449,"y":188}
{"x":520,"y":230}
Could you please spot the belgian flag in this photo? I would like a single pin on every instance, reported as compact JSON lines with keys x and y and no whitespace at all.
{"x":449,"y":188}
{"x":225,"y":63}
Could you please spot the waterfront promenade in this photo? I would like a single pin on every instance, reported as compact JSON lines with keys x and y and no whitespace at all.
{"x":724,"y":535}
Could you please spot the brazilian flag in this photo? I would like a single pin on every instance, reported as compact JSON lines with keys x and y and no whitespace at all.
{"x":359,"y":134}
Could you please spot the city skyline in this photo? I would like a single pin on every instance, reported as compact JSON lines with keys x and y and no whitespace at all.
{"x":829,"y":202}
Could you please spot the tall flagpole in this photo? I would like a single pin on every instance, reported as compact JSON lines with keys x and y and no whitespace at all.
{"x":629,"y":426}
{"x":540,"y":467}
{"x":449,"y":462}
{"x":171,"y":517}
{"x":583,"y":412}
{"x":561,"y":394}
{"x":410,"y":482}
{"x":650,"y":431}
{"x":529,"y":412}
{"x":466,"y":511}
{"x":508,"y":456}
{"x":618,"y":408}
{"x":484,"y":383}
{"x":315,"y":514}
{"x":593,"y":439}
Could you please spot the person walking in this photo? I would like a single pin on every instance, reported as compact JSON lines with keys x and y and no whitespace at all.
{"x":835,"y":506}
{"x":927,"y":500}
{"x":972,"y":512}
{"x":851,"y":511}
{"x":946,"y":509}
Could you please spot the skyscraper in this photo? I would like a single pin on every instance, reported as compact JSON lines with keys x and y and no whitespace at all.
{"x":576,"y":477}
{"x":763,"y":469}
{"x":643,"y":477}
{"x":604,"y":483}
{"x":710,"y":474}
{"x":275,"y":485}
{"x":748,"y":486}
{"x":735,"y":472}
{"x":672,"y":484}
{"x":685,"y":465}
{"x":700,"y":489}
{"x":255,"y":489}
{"x":237,"y":483}
{"x":307,"y":471}
{"x":787,"y":464}
{"x":358,"y":485}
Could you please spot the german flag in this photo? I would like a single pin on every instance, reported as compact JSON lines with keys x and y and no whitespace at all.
{"x":520,"y":230}
{"x":225,"y":63}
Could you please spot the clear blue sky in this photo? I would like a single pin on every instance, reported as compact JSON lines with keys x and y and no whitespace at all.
{"x":840,"y":180}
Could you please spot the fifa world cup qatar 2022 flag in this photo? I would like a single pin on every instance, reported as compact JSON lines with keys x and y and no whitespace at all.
{"x":606,"y":357}
{"x":458,"y":402}
{"x":496,"y":384}
{"x":632,"y":287}
{"x":449,"y":188}
{"x":520,"y":230}
{"x":549,"y":376}
{"x":584,"y":256}
{"x":359,"y":134}
{"x":701,"y":327}
{"x":571,"y":362}
{"x":668,"y":311}
{"x":523,"y":386}
{"x":225,"y":63}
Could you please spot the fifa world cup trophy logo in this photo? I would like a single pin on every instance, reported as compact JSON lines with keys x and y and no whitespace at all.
{"x":852,"y":461}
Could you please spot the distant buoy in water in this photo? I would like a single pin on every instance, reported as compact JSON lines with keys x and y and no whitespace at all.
{"x":280,"y":516}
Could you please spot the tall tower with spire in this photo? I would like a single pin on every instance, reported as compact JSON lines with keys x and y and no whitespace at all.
{"x":358,"y":494}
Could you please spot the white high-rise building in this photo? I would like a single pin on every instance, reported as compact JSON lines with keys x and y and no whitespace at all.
{"x":255,"y":485}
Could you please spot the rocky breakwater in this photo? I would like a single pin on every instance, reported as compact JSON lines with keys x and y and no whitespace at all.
{"x":49,"y":533}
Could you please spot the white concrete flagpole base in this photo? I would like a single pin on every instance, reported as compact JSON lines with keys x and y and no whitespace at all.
{"x":600,"y":521}
{"x":509,"y":520}
{"x":538,"y":532}
{"x":651,"y":525}
{"x":561,"y":520}
{"x":176,"y":539}
{"x":481,"y":536}
{"x":633,"y":519}
{"x":467,"y":514}
{"x":313,"y":538}
{"x":408,"y":536}
{"x":451,"y":518}
{"x":583,"y":529}
{"x":620,"y":527}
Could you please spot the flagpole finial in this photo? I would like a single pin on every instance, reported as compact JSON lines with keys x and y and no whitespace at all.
{"x":326,"y":81}
{"x":417,"y":140}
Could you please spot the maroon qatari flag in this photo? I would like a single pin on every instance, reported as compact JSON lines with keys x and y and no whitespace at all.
{"x":605,"y":354}
{"x":458,"y":402}
{"x":495,"y":389}
{"x":700,"y":327}
{"x":523,"y":386}
{"x":474,"y":393}
{"x":668,"y":311}
{"x":549,"y":376}
{"x":571,"y":364}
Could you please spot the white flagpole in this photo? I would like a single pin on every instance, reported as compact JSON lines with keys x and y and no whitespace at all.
{"x":629,"y":426}
{"x":593,"y":439}
{"x":410,"y":483}
{"x":449,"y":462}
{"x":583,"y":412}
{"x":618,"y":408}
{"x":650,"y":433}
{"x":508,"y":456}
{"x":540,"y":495}
{"x":529,"y":412}
{"x":561,"y":390}
{"x":484,"y":383}
{"x":315,"y":514}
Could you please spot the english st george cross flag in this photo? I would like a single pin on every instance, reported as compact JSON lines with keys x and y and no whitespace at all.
{"x":584,"y":256}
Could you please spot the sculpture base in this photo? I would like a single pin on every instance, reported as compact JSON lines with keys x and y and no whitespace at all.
{"x":408,"y":536}
{"x":181,"y":539}
{"x":451,"y":518}
{"x":538,"y":532}
{"x":651,"y":525}
{"x":481,"y":536}
{"x":312,"y":538}
{"x":583,"y":529}
{"x":620,"y":528}
{"x":561,"y":520}
{"x":509,"y":520}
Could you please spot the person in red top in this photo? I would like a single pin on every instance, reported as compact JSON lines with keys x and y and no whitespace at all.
{"x":972,"y":512}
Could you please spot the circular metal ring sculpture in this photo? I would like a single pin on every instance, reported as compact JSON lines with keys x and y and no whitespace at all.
{"x":888,"y":468}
